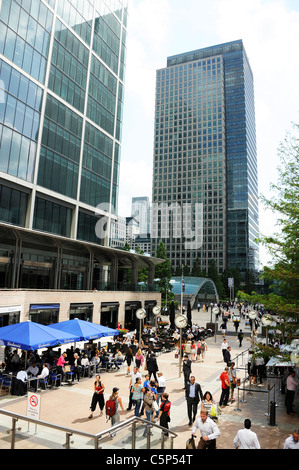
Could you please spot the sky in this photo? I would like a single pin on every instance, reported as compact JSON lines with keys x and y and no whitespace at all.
{"x":158,"y":29}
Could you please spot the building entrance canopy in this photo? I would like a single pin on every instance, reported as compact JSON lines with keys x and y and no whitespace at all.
{"x":200,"y":289}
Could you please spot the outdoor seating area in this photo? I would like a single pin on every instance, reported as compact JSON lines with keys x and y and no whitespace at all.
{"x":45,"y":362}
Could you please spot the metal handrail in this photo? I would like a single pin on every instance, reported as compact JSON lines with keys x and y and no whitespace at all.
{"x":95,"y":437}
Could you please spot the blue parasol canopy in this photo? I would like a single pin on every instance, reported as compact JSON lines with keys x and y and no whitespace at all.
{"x":85,"y":329}
{"x":30,"y":335}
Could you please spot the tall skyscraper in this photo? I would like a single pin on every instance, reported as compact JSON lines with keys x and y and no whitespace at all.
{"x":205,"y":153}
{"x":62,"y":66}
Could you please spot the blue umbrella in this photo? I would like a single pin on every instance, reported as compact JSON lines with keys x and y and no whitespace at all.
{"x":30,"y":335}
{"x":85,"y":329}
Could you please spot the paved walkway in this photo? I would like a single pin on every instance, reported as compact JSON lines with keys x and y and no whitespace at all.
{"x":69,"y":406}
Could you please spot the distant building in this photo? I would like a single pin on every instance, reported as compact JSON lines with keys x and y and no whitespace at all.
{"x":132,"y":230}
{"x":142,"y":243}
{"x":141,"y":212}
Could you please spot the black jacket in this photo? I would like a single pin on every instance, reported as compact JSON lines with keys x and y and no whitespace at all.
{"x":198,"y":392}
{"x":152,"y":365}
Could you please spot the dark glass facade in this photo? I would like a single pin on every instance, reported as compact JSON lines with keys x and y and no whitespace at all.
{"x":61,"y":101}
{"x":205,"y":152}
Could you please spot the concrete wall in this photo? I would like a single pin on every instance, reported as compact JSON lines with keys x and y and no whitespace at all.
{"x":10,"y":298}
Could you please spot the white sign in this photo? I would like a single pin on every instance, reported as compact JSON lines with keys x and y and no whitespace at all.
{"x":33,"y":405}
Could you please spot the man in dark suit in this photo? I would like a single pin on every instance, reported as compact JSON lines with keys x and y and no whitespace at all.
{"x":227,"y":356}
{"x":152,"y":366}
{"x":193,"y":395}
{"x":186,"y":369}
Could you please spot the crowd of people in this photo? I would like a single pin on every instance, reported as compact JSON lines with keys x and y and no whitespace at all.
{"x":148,"y":396}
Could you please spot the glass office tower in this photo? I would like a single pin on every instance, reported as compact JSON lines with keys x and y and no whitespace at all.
{"x":62,"y":67}
{"x":205,"y":153}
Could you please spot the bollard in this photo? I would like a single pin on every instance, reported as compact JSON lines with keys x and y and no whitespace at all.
{"x":272,"y":413}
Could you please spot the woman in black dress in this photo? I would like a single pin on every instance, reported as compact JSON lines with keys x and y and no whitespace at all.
{"x":164,"y":413}
{"x":129,"y":359}
{"x":98,"y":396}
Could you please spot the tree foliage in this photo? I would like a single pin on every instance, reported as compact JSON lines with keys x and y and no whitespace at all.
{"x":284,"y":245}
{"x":163,"y":270}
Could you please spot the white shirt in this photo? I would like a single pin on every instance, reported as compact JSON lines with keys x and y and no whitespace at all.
{"x":289,"y":443}
{"x":246,"y":439}
{"x":44,"y":373}
{"x":208,"y":428}
{"x":22,"y":375}
{"x":291,"y":383}
{"x":161,"y":381}
{"x":135,"y":376}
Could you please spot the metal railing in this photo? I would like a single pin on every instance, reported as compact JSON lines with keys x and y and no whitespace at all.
{"x":96,"y":438}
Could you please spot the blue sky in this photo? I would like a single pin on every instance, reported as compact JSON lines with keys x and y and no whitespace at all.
{"x":161,"y":28}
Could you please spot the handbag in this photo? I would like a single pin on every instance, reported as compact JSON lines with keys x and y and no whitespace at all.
{"x":213,"y":412}
{"x":155,"y":405}
{"x":190,"y":444}
{"x":176,"y":356}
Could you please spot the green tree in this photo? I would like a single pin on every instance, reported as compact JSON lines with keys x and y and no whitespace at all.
{"x":163,"y":270}
{"x":214,"y":275}
{"x":196,"y":270}
{"x":284,"y":246}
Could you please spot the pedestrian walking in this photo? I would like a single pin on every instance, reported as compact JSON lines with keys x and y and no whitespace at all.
{"x":260,"y":367}
{"x":115,"y":418}
{"x":225,"y":388}
{"x":290,"y":392}
{"x":224,"y":346}
{"x":161,"y":385}
{"x":227,"y":355}
{"x":129,"y":359}
{"x":245,"y":438}
{"x":204,"y":349}
{"x":292,"y":442}
{"x":208,"y":403}
{"x":148,"y":401}
{"x":98,"y":396}
{"x":134,"y":376}
{"x":152,"y":366}
{"x":193,"y":394}
{"x":164,"y":413}
{"x":240,"y":338}
{"x":186,"y":369}
{"x":208,"y":429}
{"x":199,"y":350}
{"x":137,"y":395}
{"x":139,"y":359}
{"x":232,"y":377}
{"x":193,"y":351}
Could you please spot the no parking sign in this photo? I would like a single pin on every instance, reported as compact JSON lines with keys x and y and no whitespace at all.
{"x":33,"y":405}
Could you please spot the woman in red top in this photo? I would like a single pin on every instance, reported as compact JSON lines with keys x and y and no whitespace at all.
{"x":98,"y":396}
{"x":164,"y":414}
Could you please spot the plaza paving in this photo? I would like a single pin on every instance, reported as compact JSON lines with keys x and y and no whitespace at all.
{"x":68,"y":406}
